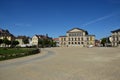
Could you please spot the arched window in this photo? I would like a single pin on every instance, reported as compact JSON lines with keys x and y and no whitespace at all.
{"x":75,"y":42}
{"x":69,"y":43}
{"x":72,"y":42}
{"x":82,"y":43}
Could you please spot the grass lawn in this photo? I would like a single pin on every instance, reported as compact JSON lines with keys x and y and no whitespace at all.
{"x":14,"y":50}
{"x":9,"y":53}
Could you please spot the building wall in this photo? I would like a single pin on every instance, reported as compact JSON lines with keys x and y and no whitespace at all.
{"x":10,"y":38}
{"x":35,"y":40}
{"x":20,"y":41}
{"x":76,"y":37}
{"x":115,"y":38}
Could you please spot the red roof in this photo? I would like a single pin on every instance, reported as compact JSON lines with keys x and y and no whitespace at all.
{"x":56,"y":39}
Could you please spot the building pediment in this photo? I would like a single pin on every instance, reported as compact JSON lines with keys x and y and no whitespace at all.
{"x":76,"y":30}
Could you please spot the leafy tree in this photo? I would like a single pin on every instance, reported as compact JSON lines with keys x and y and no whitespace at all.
{"x":1,"y":41}
{"x":40,"y":43}
{"x":6,"y":41}
{"x":105,"y":40}
{"x":26,"y":40}
{"x":53,"y":44}
{"x":45,"y":42}
{"x":14,"y":43}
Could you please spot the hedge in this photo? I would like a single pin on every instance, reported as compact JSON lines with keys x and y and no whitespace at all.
{"x":16,"y":55}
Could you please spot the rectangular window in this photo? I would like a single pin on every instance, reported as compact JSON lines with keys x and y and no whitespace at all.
{"x":69,"y":34}
{"x":78,"y":39}
{"x":91,"y":38}
{"x":64,"y":39}
{"x":69,"y":39}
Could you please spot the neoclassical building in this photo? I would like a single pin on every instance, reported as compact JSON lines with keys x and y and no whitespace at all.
{"x":77,"y":37}
{"x":115,"y":37}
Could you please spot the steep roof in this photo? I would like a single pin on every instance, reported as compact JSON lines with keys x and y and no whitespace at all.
{"x":117,"y":30}
{"x":5,"y":33}
{"x":43,"y":37}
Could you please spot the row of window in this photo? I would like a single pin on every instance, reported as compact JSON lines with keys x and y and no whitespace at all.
{"x":116,"y":38}
{"x":75,"y":39}
{"x":75,"y":34}
{"x":76,"y":43}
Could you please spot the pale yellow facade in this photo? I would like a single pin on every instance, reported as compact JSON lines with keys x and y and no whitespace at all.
{"x":76,"y":37}
{"x":10,"y":38}
{"x":35,"y":40}
{"x":115,"y":37}
{"x":20,"y":41}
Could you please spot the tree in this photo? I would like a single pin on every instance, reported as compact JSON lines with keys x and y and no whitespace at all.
{"x":1,"y":41}
{"x":14,"y":43}
{"x":26,"y":40}
{"x":6,"y":41}
{"x":52,"y":43}
{"x":105,"y":41}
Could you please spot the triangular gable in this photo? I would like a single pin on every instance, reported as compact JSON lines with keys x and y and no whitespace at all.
{"x":76,"y":30}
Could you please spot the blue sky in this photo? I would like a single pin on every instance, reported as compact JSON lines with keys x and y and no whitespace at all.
{"x":55,"y":17}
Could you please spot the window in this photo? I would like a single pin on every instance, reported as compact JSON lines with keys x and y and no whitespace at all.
{"x":82,"y":43}
{"x":87,"y":39}
{"x":61,"y":39}
{"x":75,"y":39}
{"x":82,"y":39}
{"x":64,"y":39}
{"x":72,"y":39}
{"x":69,"y":43}
{"x":91,"y":38}
{"x":69,"y":34}
{"x":78,"y":39}
{"x":75,"y":42}
{"x":72,"y":42}
{"x":69,"y":39}
{"x":78,"y":42}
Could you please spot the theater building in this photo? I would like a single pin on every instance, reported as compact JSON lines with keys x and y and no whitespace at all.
{"x":76,"y":37}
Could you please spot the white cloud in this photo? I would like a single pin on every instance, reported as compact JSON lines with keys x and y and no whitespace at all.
{"x":98,"y":19}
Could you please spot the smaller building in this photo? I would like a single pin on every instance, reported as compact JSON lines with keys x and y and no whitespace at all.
{"x":97,"y":43}
{"x":6,"y":34}
{"x":23,"y":41}
{"x":57,"y":41}
{"x":37,"y":38}
{"x":115,"y":37}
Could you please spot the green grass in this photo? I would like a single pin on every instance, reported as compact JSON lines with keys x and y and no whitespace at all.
{"x":9,"y":53}
{"x":14,"y":50}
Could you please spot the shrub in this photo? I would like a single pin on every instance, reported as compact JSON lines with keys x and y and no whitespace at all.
{"x":15,"y":53}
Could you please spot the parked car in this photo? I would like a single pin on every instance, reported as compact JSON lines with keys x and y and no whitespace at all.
{"x":90,"y":46}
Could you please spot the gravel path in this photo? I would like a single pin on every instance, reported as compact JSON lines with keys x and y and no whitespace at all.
{"x":65,"y":64}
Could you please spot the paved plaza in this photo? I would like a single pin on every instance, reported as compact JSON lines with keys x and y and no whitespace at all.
{"x":70,"y":63}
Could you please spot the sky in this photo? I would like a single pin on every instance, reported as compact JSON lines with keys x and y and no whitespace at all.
{"x":56,"y":17}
